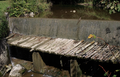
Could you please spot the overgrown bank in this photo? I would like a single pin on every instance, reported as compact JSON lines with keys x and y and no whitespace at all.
{"x":26,"y":8}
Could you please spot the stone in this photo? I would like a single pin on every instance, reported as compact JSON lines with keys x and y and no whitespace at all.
{"x":32,"y":14}
{"x":17,"y":71}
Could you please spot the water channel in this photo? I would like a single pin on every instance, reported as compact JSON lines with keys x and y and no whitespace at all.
{"x":85,"y":12}
{"x":72,"y":12}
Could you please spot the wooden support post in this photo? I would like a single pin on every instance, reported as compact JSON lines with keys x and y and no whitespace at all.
{"x":75,"y":70}
{"x":38,"y":63}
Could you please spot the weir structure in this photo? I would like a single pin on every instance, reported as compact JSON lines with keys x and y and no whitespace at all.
{"x":65,"y":38}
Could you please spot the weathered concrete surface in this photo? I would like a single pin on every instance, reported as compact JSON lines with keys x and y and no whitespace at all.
{"x":67,"y":28}
{"x":38,"y":62}
{"x":75,"y":70}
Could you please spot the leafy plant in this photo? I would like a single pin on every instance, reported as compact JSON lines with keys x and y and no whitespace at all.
{"x":21,"y":7}
{"x":112,"y":6}
{"x":3,"y":27}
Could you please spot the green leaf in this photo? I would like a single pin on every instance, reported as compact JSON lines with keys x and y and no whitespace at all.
{"x":112,"y":7}
{"x":117,"y":70}
{"x":94,"y":36}
{"x":114,"y":75}
{"x":110,"y":11}
{"x":105,"y":74}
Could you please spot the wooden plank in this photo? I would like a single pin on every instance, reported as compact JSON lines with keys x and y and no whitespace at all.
{"x":73,"y":51}
{"x":27,"y":42}
{"x":18,"y":41}
{"x":115,"y":51}
{"x":69,"y":47}
{"x":84,"y":47}
{"x":65,"y":48}
{"x":80,"y":52}
{"x":15,"y":37}
{"x":62,"y":47}
{"x":11,"y":36}
{"x":58,"y":44}
{"x":74,"y":46}
{"x":44,"y":46}
{"x":51,"y":45}
{"x":117,"y":55}
{"x":33,"y":42}
{"x":89,"y":50}
{"x":107,"y":54}
{"x":102,"y":54}
{"x":92,"y":51}
{"x":40,"y":42}
{"x":94,"y":55}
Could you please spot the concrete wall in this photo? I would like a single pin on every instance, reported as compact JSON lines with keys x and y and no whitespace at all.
{"x":67,"y":28}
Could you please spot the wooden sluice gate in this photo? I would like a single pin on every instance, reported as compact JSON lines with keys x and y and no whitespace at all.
{"x":67,"y":47}
{"x":63,"y":47}
{"x":66,"y":41}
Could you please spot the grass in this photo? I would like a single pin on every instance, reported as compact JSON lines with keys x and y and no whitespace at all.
{"x":3,"y":6}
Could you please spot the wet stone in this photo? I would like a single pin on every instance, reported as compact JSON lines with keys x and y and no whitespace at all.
{"x":17,"y":71}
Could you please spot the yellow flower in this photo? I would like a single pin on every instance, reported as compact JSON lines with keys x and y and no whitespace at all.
{"x":91,"y":36}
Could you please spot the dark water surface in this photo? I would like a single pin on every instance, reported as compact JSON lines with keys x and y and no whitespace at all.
{"x":85,"y":12}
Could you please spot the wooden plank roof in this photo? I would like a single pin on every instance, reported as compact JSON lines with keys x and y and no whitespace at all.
{"x":66,"y":47}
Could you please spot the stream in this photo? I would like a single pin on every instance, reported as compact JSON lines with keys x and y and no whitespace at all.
{"x":67,"y":12}
{"x":85,"y":12}
{"x":50,"y":71}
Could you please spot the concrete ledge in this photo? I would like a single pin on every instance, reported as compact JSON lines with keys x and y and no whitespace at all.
{"x":67,"y":28}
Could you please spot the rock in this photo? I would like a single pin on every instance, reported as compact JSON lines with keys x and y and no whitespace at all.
{"x":17,"y":71}
{"x":32,"y":14}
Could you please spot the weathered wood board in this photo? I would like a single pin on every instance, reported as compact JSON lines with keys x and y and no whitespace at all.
{"x":66,"y":47}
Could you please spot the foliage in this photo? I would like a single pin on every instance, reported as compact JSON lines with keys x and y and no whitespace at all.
{"x":3,"y":6}
{"x":3,"y":22}
{"x":20,"y":7}
{"x":0,"y":74}
{"x":91,"y":36}
{"x":3,"y":27}
{"x":112,"y":5}
{"x":95,"y":2}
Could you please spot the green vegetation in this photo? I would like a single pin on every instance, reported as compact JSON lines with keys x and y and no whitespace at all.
{"x":112,"y":6}
{"x":0,"y":74}
{"x":3,"y":22}
{"x":3,"y":27}
{"x":20,"y":8}
{"x":3,"y":6}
